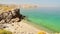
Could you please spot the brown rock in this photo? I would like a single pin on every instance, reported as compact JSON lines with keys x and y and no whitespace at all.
{"x":9,"y":15}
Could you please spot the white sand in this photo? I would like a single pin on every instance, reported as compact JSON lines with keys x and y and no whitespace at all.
{"x":22,"y":28}
{"x":28,"y":28}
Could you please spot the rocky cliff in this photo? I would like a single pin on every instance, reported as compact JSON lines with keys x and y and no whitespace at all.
{"x":10,"y":16}
{"x":6,"y":17}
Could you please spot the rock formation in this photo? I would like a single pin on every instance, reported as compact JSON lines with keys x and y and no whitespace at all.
{"x":6,"y":17}
{"x":10,"y":16}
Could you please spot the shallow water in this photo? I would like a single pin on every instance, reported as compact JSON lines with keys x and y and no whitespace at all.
{"x":47,"y":17}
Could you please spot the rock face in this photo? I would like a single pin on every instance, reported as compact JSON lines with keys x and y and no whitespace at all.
{"x":11,"y":16}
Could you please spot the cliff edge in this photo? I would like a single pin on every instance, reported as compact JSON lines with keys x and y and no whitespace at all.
{"x":9,"y":15}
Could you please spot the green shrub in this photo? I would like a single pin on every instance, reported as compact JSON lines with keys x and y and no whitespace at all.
{"x":5,"y":32}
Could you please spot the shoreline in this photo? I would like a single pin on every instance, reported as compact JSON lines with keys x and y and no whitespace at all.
{"x":27,"y":28}
{"x":40,"y":27}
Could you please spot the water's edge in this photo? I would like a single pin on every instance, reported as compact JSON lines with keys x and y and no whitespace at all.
{"x":40,"y":27}
{"x":47,"y":18}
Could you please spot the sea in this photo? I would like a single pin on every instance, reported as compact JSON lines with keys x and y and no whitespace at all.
{"x":48,"y":17}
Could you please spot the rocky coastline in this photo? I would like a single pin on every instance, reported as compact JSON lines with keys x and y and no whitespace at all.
{"x":6,"y":17}
{"x":9,"y":17}
{"x":12,"y":20}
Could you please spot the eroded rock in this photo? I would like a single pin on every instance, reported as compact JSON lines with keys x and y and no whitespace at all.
{"x":10,"y":15}
{"x":10,"y":19}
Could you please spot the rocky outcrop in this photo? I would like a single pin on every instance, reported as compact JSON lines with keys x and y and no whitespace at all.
{"x":6,"y":17}
{"x":9,"y":17}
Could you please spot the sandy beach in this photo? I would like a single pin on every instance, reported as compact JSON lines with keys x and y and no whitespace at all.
{"x":23,"y":28}
{"x":28,"y":28}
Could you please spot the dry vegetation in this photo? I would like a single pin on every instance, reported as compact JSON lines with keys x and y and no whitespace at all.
{"x":5,"y":32}
{"x":4,"y":7}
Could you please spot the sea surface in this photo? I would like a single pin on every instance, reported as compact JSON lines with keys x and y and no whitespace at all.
{"x":47,"y":17}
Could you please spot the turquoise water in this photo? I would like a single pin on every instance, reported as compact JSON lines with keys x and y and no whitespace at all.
{"x":47,"y":17}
